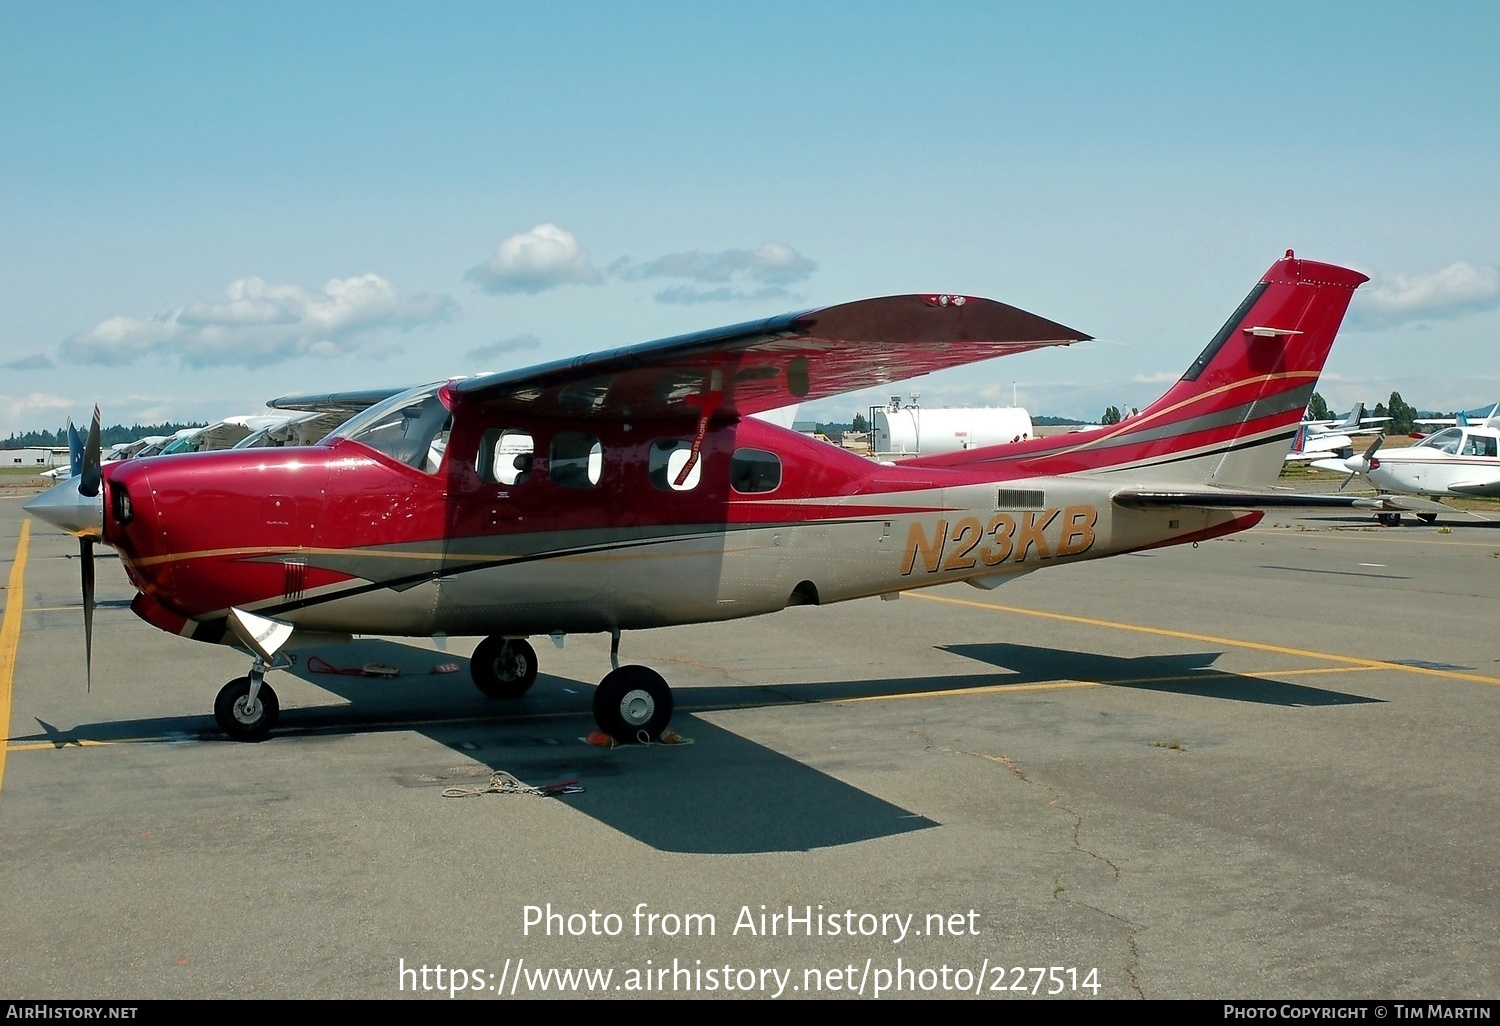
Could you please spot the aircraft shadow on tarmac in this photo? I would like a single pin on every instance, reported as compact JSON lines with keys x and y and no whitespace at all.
{"x":1187,"y":674}
{"x":724,"y":793}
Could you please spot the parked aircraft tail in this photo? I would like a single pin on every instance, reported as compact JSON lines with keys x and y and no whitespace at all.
{"x":1230,"y":418}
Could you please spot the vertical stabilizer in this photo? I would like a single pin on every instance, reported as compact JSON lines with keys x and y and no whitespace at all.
{"x":1231,"y":417}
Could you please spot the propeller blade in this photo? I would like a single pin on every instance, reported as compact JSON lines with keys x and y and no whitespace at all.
{"x":75,"y":449}
{"x":1374,"y":448}
{"x":86,"y":557}
{"x":88,"y":478}
{"x":1352,"y":473}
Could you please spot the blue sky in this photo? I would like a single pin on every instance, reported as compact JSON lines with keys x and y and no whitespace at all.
{"x":206,"y":205}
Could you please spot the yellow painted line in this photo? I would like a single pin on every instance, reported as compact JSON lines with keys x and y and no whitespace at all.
{"x":1370,"y":664}
{"x":10,"y":632}
{"x":1354,"y":534}
{"x":37,"y":746}
{"x":1366,"y":667}
{"x":991,"y":689}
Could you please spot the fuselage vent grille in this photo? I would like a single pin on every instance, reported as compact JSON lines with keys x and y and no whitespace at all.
{"x":1021,"y":498}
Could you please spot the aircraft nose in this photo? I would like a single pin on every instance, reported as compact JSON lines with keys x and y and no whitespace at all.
{"x":64,"y":507}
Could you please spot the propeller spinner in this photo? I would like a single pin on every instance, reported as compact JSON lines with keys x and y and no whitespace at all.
{"x":1361,"y":464}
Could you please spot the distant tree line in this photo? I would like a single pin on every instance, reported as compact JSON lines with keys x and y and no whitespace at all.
{"x":108,"y":436}
{"x":1403,"y":415}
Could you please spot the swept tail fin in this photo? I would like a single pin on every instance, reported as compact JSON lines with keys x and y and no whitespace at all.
{"x":1228,"y":421}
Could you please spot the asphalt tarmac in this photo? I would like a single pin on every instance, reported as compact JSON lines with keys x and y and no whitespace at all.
{"x":1265,"y":767}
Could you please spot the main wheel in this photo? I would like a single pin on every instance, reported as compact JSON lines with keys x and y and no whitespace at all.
{"x":240,"y":720}
{"x":1389,"y":519}
{"x":1427,"y":518}
{"x":633,"y":703}
{"x":503,"y":667}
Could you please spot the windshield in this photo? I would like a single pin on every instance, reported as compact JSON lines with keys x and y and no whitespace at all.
{"x":1445,"y":440}
{"x":411,"y":427}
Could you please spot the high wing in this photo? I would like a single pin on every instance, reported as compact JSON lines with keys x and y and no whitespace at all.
{"x":762,"y":365}
{"x":335,"y":402}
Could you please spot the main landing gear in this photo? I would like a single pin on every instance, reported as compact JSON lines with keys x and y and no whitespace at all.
{"x":632,"y":703}
{"x":503,"y":667}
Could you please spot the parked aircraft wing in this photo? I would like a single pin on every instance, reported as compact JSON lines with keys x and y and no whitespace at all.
{"x":335,"y":402}
{"x":762,"y":365}
{"x":1489,"y":488}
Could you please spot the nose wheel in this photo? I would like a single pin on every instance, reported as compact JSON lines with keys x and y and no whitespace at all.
{"x":503,"y":667}
{"x":246,"y":712}
{"x":633,"y":704}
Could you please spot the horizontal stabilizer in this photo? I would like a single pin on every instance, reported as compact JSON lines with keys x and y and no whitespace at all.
{"x":1220,"y":498}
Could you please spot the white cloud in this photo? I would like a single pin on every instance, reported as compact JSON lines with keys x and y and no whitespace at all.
{"x":32,"y":409}
{"x":773,"y":265}
{"x":505,"y":345}
{"x":1454,"y":291}
{"x":257,"y":323}
{"x":40,"y":361}
{"x":534,"y":261}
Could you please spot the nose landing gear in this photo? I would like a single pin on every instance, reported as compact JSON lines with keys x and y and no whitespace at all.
{"x":246,"y":708}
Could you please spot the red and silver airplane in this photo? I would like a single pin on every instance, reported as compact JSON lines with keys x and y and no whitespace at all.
{"x":632,"y":489}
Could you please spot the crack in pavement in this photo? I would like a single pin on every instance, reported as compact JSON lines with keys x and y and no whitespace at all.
{"x":1058,"y":891}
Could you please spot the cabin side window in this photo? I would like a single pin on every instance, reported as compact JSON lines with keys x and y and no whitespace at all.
{"x":576,"y":460}
{"x":505,"y":456}
{"x":1479,"y":445}
{"x":665,"y":464}
{"x":754,"y":470}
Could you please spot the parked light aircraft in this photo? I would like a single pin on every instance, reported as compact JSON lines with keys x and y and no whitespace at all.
{"x":1325,"y":439}
{"x":1352,"y":423}
{"x":1461,"y":420}
{"x":1455,"y":461}
{"x":633,"y":488}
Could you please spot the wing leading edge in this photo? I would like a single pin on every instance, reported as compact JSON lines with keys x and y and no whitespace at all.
{"x":764,"y":365}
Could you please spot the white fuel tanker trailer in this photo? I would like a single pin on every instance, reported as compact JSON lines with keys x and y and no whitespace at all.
{"x":913,"y":431}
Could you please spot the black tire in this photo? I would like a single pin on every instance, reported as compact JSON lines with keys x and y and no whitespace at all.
{"x":633,"y":704}
{"x":1389,"y":519}
{"x":503,"y":667}
{"x":238,"y":722}
{"x":1427,"y":518}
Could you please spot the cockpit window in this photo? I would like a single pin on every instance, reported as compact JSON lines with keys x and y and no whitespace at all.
{"x":667,"y":459}
{"x":755,"y":470}
{"x":411,"y":427}
{"x":1446,"y":440}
